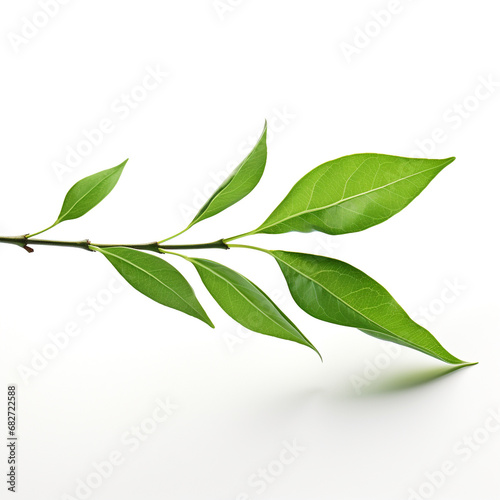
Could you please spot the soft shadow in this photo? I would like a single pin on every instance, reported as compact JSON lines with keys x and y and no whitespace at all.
{"x":411,"y":379}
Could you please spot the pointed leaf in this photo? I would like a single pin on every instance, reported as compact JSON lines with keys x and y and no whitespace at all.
{"x":240,"y":183}
{"x":155,"y":278}
{"x":334,"y":291}
{"x":246,"y":303}
{"x":352,"y":193}
{"x":89,"y":192}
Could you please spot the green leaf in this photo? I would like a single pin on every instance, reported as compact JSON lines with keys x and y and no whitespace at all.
{"x":89,"y":192}
{"x":246,"y":303}
{"x":334,"y":291}
{"x":351,"y":193}
{"x":86,"y":194}
{"x":155,"y":278}
{"x":241,"y":182}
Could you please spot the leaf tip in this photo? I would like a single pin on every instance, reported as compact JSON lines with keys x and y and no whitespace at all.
{"x":459,"y":363}
{"x":316,"y":351}
{"x":466,"y":363}
{"x":263,"y":135}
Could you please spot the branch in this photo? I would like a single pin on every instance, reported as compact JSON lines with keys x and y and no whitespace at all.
{"x":155,"y":246}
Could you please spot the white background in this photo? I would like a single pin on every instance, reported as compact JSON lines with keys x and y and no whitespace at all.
{"x":239,"y":397}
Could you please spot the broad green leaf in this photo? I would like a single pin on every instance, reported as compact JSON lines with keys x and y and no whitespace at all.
{"x":352,"y":193}
{"x":155,"y":278}
{"x":89,"y":192}
{"x":334,"y":291}
{"x":246,"y":303}
{"x":239,"y":183}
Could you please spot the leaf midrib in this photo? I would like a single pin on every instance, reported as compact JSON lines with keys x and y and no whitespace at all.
{"x":304,"y":212}
{"x":242,"y":294}
{"x":151,"y":275}
{"x":382,"y":329}
{"x":85,"y":195}
{"x":217,"y":194}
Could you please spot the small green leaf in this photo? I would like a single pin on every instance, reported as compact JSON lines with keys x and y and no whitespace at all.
{"x":86,"y":194}
{"x":89,"y":192}
{"x":155,"y":278}
{"x":241,"y":182}
{"x":246,"y":303}
{"x":351,"y":193}
{"x":334,"y":291}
